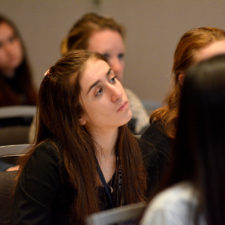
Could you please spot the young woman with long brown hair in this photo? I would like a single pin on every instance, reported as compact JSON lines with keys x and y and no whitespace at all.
{"x":85,"y":159}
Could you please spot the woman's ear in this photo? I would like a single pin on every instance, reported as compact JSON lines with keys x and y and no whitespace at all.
{"x":82,"y":121}
{"x":181,"y":79}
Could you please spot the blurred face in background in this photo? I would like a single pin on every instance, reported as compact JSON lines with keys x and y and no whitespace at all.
{"x":215,"y":48}
{"x":110,"y":44}
{"x":11,"y":53}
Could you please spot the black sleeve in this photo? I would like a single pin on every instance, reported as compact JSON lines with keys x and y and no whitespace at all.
{"x":37,"y":188}
{"x":155,"y":146}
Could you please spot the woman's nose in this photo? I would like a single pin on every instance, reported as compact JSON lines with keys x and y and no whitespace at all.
{"x":116,"y":93}
{"x":9,"y":48}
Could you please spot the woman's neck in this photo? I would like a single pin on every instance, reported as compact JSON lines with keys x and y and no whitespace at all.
{"x":105,"y":141}
{"x":106,"y":152}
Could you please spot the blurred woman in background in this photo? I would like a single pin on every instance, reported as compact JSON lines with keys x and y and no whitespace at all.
{"x":195,"y":45}
{"x":16,"y":84}
{"x":192,"y":192}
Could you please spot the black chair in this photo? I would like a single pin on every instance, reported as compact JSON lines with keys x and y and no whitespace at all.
{"x":126,"y":215}
{"x":15,"y":123}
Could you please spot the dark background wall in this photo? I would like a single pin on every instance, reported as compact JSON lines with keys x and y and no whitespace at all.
{"x":153,"y":30}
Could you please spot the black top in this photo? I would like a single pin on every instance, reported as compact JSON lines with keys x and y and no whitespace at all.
{"x":11,"y":93}
{"x":155,"y":145}
{"x":43,"y":194}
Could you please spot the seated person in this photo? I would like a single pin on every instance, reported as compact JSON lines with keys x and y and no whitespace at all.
{"x":192,"y":192}
{"x":195,"y":45}
{"x":16,"y":85}
{"x":85,"y":159}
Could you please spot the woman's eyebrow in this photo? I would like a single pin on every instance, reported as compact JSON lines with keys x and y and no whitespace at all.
{"x":93,"y":85}
{"x":96,"y":82}
{"x":108,"y":73}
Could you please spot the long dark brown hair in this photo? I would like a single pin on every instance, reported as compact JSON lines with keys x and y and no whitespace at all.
{"x":59,"y":114}
{"x":184,"y":57}
{"x":22,"y":77}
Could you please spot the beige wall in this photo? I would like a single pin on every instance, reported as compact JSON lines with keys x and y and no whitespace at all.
{"x":153,"y":29}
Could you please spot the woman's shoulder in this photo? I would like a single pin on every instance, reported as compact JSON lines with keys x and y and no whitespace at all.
{"x":176,"y":204}
{"x":156,"y":137}
{"x":156,"y":127}
{"x":175,"y":195}
{"x":45,"y":154}
{"x":135,"y":103}
{"x":47,"y":145}
{"x":44,"y":164}
{"x":47,"y":148}
{"x":130,"y":94}
{"x":139,"y":113}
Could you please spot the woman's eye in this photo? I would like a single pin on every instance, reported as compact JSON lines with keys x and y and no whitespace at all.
{"x":113,"y":80}
{"x":12,"y":38}
{"x":106,"y":56}
{"x":99,"y":92}
{"x":121,"y":56}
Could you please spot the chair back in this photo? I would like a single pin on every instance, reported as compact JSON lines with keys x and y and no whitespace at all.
{"x":15,"y":123}
{"x":13,"y":150}
{"x":7,"y":185}
{"x":8,"y":180}
{"x":128,"y":215}
{"x":9,"y":154}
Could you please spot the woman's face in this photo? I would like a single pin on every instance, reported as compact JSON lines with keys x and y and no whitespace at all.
{"x":11,"y":53}
{"x":217,"y":47}
{"x":103,"y":98}
{"x":110,"y":44}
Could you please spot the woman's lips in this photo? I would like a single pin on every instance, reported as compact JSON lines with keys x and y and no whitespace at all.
{"x":123,"y":106}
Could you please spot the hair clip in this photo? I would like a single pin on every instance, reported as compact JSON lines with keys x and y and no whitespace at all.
{"x":46,"y":73}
